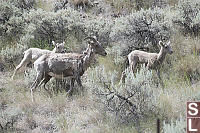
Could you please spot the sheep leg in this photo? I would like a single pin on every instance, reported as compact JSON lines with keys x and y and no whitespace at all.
{"x":149,"y":64}
{"x":133,"y":66}
{"x":78,"y":80}
{"x":160,"y":79}
{"x":71,"y":86}
{"x":126,"y":65}
{"x":41,"y":82}
{"x":39,"y":67}
{"x":123,"y":77}
{"x":57,"y":85}
{"x":24,"y":62}
{"x":47,"y":78}
{"x":44,"y":81}
{"x":35,"y":84}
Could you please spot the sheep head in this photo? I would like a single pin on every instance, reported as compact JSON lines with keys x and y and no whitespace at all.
{"x":59,"y":48}
{"x":95,"y":46}
{"x":167,"y":47}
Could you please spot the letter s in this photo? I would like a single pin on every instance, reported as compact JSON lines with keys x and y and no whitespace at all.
{"x":193,"y":108}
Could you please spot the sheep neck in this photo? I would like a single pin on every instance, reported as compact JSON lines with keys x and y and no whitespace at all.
{"x":89,"y":56}
{"x":161,"y":55}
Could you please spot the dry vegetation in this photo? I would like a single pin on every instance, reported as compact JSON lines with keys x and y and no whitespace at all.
{"x":106,"y":105}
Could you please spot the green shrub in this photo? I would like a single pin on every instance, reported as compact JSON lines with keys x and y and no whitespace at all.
{"x":100,"y":27}
{"x":178,"y":126}
{"x":121,"y":6}
{"x":24,"y":5}
{"x":188,"y":17}
{"x":11,"y":21}
{"x":127,"y":102}
{"x":9,"y":117}
{"x":184,"y":63}
{"x":188,"y":67}
{"x":113,"y":60}
{"x":81,"y":5}
{"x":43,"y":26}
{"x":60,"y":4}
{"x":11,"y":54}
{"x":51,"y":26}
{"x":143,"y":29}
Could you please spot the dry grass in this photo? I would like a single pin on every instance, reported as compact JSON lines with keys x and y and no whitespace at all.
{"x":58,"y":113}
{"x":82,"y":112}
{"x":185,"y":60}
{"x":46,"y":4}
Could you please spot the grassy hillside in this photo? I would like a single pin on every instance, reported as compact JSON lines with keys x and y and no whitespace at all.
{"x":106,"y":105}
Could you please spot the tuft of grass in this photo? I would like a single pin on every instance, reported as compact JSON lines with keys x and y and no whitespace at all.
{"x":177,"y":126}
{"x":121,"y":5}
{"x":189,"y":68}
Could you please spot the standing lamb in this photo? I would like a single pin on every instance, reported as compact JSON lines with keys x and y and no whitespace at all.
{"x":151,"y":60}
{"x":65,"y":65}
{"x":32,"y":54}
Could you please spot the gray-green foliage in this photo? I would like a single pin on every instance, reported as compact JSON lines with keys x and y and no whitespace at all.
{"x":142,"y":29}
{"x":188,"y":18}
{"x":47,"y":26}
{"x":29,"y":77}
{"x":9,"y":116}
{"x":129,"y":101}
{"x":11,"y":20}
{"x":60,"y":4}
{"x":43,"y":26}
{"x":24,"y":5}
{"x":100,"y":27}
{"x":37,"y":27}
{"x":10,"y":54}
{"x":159,"y":3}
{"x":175,"y":127}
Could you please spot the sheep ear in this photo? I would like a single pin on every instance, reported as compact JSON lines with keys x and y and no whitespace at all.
{"x":168,"y":43}
{"x":94,"y":37}
{"x":161,"y":43}
{"x":53,"y":43}
{"x":91,"y":42}
{"x":89,"y":45}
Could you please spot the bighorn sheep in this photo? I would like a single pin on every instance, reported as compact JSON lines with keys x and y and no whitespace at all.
{"x":65,"y":65}
{"x":151,"y":60}
{"x":32,"y":54}
{"x":79,"y":3}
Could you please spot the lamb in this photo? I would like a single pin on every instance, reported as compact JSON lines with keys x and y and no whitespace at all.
{"x":66,"y":65}
{"x":151,"y":60}
{"x":32,"y":54}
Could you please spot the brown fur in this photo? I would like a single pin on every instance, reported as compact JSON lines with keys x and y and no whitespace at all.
{"x":65,"y":65}
{"x":32,"y":54}
{"x":151,"y":60}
